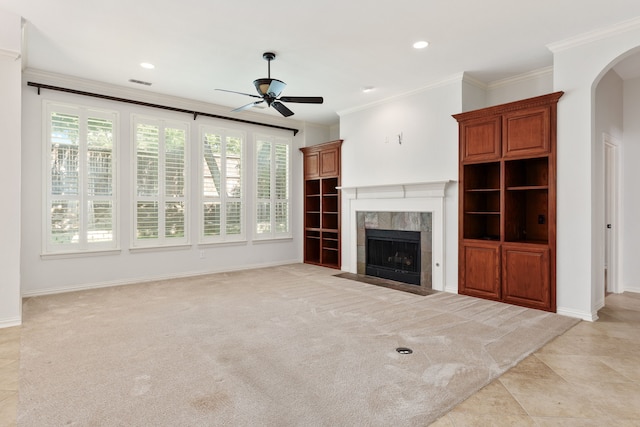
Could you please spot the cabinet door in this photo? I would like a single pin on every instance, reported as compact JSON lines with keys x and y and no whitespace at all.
{"x":312,"y":165}
{"x":526,"y":275}
{"x":480,"y":274}
{"x":526,"y":132}
{"x":480,"y":139}
{"x":330,"y":162}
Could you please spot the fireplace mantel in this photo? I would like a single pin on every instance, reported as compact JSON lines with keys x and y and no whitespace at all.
{"x":395,"y":191}
{"x":410,"y":197}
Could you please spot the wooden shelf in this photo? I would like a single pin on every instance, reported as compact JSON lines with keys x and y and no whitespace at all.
{"x":482,"y":213}
{"x":529,"y":187}
{"x":322,"y":204}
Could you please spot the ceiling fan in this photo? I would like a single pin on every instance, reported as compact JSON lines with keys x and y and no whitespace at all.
{"x":269,"y":91}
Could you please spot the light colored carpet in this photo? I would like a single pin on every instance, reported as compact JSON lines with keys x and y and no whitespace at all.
{"x":282,"y":346}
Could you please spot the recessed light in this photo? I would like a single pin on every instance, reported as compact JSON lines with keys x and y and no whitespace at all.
{"x":421,"y":44}
{"x":367,"y":89}
{"x":147,"y":65}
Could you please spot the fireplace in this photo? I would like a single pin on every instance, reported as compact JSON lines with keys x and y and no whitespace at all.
{"x":394,"y":255}
{"x":405,"y":207}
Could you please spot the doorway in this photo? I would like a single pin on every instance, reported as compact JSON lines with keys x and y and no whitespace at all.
{"x":611,"y":211}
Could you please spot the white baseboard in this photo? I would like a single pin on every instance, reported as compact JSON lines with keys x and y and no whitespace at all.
{"x":97,"y":285}
{"x":633,"y":289}
{"x":10,"y":322}
{"x":584,"y":315}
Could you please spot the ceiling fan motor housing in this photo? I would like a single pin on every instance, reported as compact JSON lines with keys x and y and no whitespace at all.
{"x":263,"y":86}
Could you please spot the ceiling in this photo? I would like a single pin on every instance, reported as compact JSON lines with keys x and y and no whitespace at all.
{"x":330,"y":48}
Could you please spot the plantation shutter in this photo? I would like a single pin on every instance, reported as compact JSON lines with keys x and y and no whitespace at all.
{"x":222,"y":185}
{"x":281,"y":185}
{"x":81,"y":196}
{"x":273,"y":187}
{"x":161,"y":171}
{"x":263,"y":187}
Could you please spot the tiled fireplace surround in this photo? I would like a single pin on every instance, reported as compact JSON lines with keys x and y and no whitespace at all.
{"x":404,"y":221}
{"x":414,"y":207}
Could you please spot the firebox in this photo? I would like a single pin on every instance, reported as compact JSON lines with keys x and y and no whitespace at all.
{"x":394,"y":255}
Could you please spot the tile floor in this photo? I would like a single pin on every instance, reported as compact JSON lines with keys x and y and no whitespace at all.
{"x":589,"y":376}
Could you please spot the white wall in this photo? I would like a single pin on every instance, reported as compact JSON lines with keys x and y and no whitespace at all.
{"x":608,"y":120}
{"x":45,"y":275}
{"x":578,"y":66}
{"x":372,"y":154}
{"x":527,"y":85}
{"x":10,"y":108}
{"x":630,"y":236}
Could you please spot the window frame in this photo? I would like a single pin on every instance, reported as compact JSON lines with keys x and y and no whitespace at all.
{"x":83,"y":245}
{"x":161,"y":241}
{"x":222,"y":197}
{"x":273,"y":140}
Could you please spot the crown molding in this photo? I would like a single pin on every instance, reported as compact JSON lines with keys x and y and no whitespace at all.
{"x":537,"y":101}
{"x":531,"y":75}
{"x":466,"y":78}
{"x":597,"y":34}
{"x":9,"y":54}
{"x":456,"y":78}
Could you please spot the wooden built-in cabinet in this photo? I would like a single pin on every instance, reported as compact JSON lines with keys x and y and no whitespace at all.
{"x":507,"y":190}
{"x":322,"y":204}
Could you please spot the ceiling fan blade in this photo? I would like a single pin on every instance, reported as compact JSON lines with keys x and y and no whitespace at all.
{"x":303,"y":99}
{"x":282,"y":108}
{"x":245,"y":107}
{"x":239,"y":93}
{"x":276,"y":87}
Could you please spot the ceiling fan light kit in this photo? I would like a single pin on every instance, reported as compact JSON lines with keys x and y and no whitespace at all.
{"x":270,"y":89}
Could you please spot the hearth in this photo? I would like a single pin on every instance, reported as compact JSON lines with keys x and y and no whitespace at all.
{"x":394,"y":255}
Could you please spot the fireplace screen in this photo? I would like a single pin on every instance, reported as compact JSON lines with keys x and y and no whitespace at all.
{"x":393,"y":254}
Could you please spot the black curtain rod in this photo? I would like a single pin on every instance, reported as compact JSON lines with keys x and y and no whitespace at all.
{"x":162,"y":107}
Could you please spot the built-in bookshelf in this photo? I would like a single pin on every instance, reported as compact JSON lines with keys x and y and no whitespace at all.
{"x":507,"y":204}
{"x":322,"y":204}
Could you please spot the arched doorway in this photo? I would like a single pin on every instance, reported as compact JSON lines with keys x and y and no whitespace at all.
{"x":616,"y":152}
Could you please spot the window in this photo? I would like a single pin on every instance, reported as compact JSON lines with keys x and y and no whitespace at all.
{"x":272,"y":187}
{"x":160,"y":208}
{"x":222,"y":204}
{"x":80,"y":207}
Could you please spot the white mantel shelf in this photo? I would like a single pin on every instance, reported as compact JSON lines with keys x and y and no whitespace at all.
{"x":397,"y":191}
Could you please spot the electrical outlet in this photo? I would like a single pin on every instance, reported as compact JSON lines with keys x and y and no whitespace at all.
{"x":201,"y":254}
